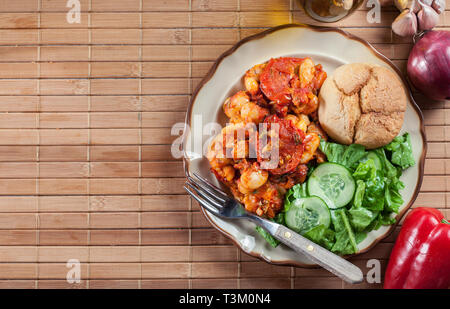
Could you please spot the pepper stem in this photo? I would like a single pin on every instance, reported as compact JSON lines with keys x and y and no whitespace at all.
{"x":445,"y":221}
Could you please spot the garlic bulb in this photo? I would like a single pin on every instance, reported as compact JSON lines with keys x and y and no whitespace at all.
{"x":405,"y":24}
{"x":426,"y":2}
{"x":417,"y":15}
{"x":413,"y":5}
{"x":438,"y":6}
{"x":427,"y":18}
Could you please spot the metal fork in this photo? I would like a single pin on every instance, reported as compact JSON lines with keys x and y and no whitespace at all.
{"x":220,"y":204}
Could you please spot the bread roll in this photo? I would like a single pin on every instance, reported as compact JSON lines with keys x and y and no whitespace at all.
{"x":362,"y":103}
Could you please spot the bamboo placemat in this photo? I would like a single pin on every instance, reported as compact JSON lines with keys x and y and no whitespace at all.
{"x":86,"y":111}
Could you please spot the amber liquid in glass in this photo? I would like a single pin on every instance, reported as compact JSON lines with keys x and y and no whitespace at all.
{"x":329,"y":11}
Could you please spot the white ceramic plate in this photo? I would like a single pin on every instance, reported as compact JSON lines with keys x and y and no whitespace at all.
{"x":330,"y":47}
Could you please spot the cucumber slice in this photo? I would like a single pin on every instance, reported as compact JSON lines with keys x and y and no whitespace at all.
{"x":307,"y":213}
{"x":376,"y":159}
{"x":333,"y":183}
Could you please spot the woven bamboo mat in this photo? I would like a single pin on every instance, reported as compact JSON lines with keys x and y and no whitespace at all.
{"x":86,"y":173}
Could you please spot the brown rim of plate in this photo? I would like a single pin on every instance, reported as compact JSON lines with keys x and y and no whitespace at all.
{"x":262,"y":34}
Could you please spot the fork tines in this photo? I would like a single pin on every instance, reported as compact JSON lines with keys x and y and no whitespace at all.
{"x":209,"y":197}
{"x":213,"y":189}
{"x":202,"y":202}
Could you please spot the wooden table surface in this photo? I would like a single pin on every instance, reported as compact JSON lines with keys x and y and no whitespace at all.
{"x":86,"y":111}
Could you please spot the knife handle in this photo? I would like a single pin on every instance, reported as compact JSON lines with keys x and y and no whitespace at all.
{"x":325,"y":258}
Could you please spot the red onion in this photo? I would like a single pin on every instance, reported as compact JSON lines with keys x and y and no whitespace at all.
{"x":429,"y":65}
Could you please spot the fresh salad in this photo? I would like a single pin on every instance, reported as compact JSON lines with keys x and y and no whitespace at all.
{"x":354,"y":192}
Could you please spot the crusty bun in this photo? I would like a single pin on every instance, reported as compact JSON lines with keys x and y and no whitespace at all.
{"x":363,"y":104}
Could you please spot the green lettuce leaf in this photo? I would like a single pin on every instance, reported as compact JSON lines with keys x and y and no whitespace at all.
{"x":322,"y":236}
{"x":269,"y":238}
{"x":401,"y":151}
{"x":345,"y":237}
{"x":297,"y":191}
{"x":374,"y":195}
{"x":352,"y":155}
{"x":349,"y":156}
{"x":365,"y":170}
{"x":359,"y":216}
{"x":389,"y":170}
{"x":386,"y":219}
{"x":383,"y":218}
{"x":279,"y":218}
{"x":360,"y":236}
{"x":311,"y":167}
{"x":392,"y":194}
{"x":334,"y":152}
{"x":374,"y":185}
{"x":393,"y":198}
{"x":359,"y":193}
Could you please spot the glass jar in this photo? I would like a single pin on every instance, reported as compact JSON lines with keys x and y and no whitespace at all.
{"x":329,"y":11}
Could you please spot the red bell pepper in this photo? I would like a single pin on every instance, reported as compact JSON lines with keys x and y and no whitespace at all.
{"x":420,"y":258}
